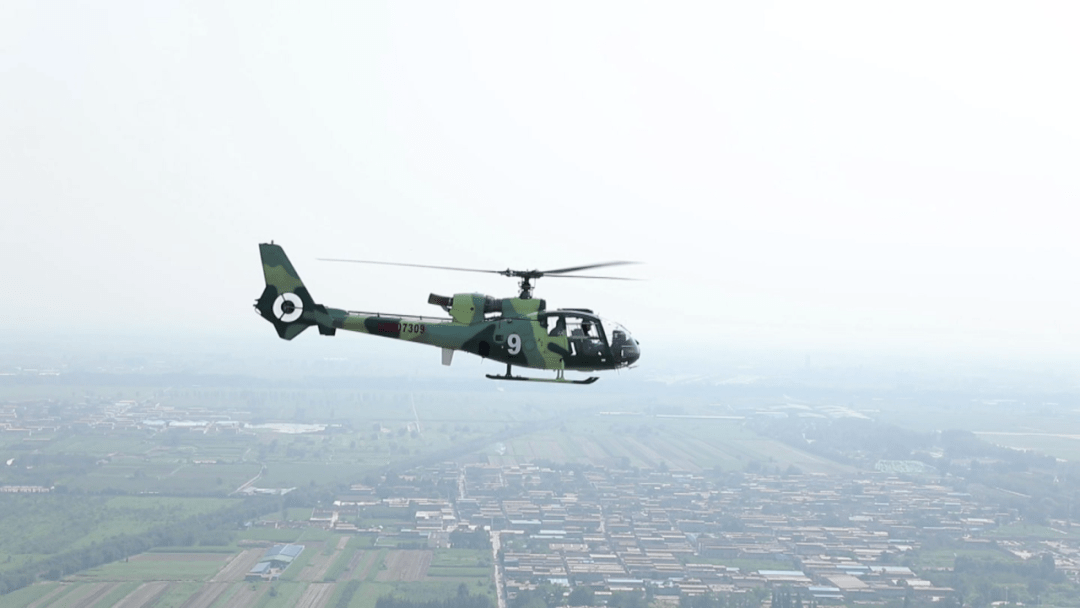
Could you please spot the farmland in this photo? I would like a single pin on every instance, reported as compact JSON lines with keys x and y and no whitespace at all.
{"x":207,"y":580}
{"x":33,"y":526}
{"x":650,"y":442}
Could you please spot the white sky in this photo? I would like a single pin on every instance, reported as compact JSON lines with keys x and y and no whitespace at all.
{"x":895,"y":176}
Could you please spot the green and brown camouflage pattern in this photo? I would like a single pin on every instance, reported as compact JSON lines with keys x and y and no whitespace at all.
{"x":510,"y":330}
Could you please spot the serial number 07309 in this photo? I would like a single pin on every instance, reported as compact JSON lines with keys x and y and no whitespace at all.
{"x":405,"y":328}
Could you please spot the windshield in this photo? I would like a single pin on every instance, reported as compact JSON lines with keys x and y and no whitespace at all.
{"x":617,"y":335}
{"x":624,"y":347}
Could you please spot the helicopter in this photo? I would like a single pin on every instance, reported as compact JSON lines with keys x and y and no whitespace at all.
{"x":516,"y":331}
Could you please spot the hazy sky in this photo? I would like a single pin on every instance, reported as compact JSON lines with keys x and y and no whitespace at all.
{"x":810,"y":175}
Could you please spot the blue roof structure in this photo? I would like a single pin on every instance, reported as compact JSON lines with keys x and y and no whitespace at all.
{"x":277,"y":557}
{"x":290,"y":551}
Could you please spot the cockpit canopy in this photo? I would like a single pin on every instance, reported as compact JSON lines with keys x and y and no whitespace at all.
{"x":591,"y":334}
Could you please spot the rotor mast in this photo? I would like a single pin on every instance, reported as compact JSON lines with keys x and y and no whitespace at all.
{"x":526,"y":288}
{"x":525,"y":281}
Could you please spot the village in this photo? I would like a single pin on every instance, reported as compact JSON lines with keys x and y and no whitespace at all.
{"x":675,"y":534}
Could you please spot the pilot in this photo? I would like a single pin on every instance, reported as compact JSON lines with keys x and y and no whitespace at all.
{"x":560,"y":327}
{"x":618,"y":338}
{"x":590,"y":343}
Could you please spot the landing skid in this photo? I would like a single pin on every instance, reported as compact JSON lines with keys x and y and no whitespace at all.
{"x":558,"y":379}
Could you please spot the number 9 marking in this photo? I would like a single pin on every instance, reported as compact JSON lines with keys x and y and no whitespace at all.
{"x":513,"y":343}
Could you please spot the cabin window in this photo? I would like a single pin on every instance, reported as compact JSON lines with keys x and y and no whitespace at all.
{"x":584,"y":333}
{"x":556,"y":325}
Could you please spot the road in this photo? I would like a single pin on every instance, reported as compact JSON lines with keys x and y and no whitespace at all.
{"x":500,"y":593}
{"x":247,"y":483}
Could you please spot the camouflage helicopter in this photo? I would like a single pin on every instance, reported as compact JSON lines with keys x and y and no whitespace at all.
{"x":516,"y":331}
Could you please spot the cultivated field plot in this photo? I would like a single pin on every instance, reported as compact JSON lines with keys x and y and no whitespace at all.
{"x":676,"y":443}
{"x":460,"y":565}
{"x":1026,"y":531}
{"x":216,"y":558}
{"x":980,"y":416}
{"x":33,"y":525}
{"x":238,"y":565}
{"x":1048,"y":428}
{"x":123,"y":442}
{"x":188,"y":580}
{"x":216,"y":579}
{"x":183,"y":569}
{"x":1058,"y":445}
{"x":290,"y":474}
{"x":144,"y":595}
{"x":34,"y":594}
{"x":343,"y":560}
{"x":207,"y":595}
{"x":315,"y":596}
{"x":945,"y":558}
{"x":405,"y":566}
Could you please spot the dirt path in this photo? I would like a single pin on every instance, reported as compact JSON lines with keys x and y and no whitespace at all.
{"x":316,"y":595}
{"x":249,"y":482}
{"x":239,"y":566}
{"x":144,"y":595}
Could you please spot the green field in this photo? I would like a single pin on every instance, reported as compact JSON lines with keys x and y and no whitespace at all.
{"x":680,"y":444}
{"x":462,"y":565}
{"x":33,"y":526}
{"x":118,"y":592}
{"x":157,"y":570}
{"x":343,"y":559}
{"x":1060,"y":445}
{"x":273,"y":535}
{"x":1032,"y":531}
{"x":177,"y":594}
{"x":284,"y":594}
{"x":945,"y":558}
{"x":31,"y":594}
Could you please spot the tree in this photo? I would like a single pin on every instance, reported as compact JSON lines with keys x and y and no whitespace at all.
{"x":1047,"y":566}
{"x":582,"y":596}
{"x":628,"y":599}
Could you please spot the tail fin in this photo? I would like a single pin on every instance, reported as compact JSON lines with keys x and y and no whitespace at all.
{"x":286,"y":302}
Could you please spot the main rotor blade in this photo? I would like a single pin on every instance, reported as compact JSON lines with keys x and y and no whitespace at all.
{"x":589,"y":276}
{"x":577,"y":268}
{"x":523,"y":274}
{"x":412,"y":265}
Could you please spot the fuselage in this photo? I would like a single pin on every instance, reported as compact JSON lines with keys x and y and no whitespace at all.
{"x":571,"y":339}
